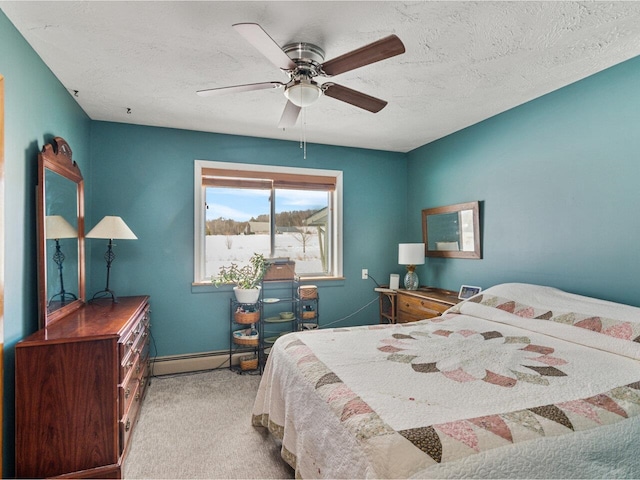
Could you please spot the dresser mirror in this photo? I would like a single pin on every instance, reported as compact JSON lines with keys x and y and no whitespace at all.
{"x":60,"y":222}
{"x":452,"y":231}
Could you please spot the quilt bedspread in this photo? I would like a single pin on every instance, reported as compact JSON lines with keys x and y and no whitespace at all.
{"x":460,"y":395}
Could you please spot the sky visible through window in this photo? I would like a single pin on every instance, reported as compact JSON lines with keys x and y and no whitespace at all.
{"x":243,"y":204}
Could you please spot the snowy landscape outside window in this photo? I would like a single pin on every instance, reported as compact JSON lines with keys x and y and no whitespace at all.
{"x":280,"y":212}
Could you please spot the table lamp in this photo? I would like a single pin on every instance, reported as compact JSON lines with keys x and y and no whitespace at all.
{"x":112,"y":228}
{"x":411,"y":254}
{"x":56,"y":227}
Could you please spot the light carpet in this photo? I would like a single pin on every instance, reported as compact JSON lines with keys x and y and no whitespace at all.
{"x":199,"y":426}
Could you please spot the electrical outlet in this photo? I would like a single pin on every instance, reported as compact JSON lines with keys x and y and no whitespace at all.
{"x":365,"y":273}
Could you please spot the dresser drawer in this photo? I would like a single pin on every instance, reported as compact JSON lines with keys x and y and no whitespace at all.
{"x":132,"y":396}
{"x":138,"y":332}
{"x":418,"y":305}
{"x":127,"y":390}
{"x":131,"y":365}
{"x":129,"y":418}
{"x":136,"y":342}
{"x":137,"y":374}
{"x":412,"y":308}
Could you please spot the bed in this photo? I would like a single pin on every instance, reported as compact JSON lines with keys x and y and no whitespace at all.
{"x":519,"y":381}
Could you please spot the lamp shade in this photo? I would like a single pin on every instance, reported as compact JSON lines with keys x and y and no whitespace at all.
{"x":303,"y":93}
{"x":113,"y":228}
{"x":411,"y":253}
{"x":57,"y":227}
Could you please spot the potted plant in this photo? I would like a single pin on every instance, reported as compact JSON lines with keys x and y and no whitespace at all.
{"x":247,"y":279}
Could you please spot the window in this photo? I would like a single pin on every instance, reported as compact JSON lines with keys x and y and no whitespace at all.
{"x":281,"y":212}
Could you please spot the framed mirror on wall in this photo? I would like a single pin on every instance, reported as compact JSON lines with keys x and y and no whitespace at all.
{"x":452,"y":231}
{"x":60,"y":209}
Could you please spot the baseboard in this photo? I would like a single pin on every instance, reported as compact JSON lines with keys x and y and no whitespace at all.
{"x":174,"y":364}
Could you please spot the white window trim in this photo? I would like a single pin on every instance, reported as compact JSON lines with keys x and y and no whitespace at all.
{"x":199,"y":214}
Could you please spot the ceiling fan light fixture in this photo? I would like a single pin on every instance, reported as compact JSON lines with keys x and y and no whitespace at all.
{"x":303,"y":93}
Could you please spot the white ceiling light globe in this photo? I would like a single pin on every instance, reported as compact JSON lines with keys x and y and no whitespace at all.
{"x":303,"y":93}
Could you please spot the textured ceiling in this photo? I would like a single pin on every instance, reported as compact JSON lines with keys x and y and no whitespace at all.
{"x":464,"y":61}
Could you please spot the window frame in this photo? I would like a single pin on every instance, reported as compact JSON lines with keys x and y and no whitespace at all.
{"x":335,"y":205}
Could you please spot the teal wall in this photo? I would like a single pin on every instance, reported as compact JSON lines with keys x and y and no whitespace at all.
{"x":146,"y":177}
{"x":558,"y":179}
{"x":37,"y":108}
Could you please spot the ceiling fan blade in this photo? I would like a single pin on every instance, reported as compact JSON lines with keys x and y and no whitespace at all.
{"x":256,"y":36}
{"x":290,"y":115}
{"x":239,"y":88}
{"x":374,"y":52}
{"x":353,"y":97}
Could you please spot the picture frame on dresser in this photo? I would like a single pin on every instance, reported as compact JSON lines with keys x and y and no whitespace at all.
{"x":468,"y":291}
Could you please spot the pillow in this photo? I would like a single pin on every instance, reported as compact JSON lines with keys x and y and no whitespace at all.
{"x":610,"y":326}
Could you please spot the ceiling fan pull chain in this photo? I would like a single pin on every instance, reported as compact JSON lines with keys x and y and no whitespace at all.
{"x":302,"y":129}
{"x":304,"y":133}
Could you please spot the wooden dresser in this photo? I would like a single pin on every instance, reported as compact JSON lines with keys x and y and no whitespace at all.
{"x":79,"y":385}
{"x":426,"y":302}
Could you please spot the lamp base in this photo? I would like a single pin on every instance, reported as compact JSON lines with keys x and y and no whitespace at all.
{"x":109,"y":256}
{"x":411,"y":281}
{"x":104,"y":294}
{"x":65,"y":297}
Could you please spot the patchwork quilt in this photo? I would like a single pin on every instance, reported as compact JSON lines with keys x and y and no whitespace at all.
{"x":518,"y":381}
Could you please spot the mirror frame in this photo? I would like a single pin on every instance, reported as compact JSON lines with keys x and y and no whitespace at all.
{"x":476,"y":253}
{"x":56,"y":157}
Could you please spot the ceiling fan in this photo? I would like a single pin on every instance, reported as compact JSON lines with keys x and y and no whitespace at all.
{"x":303,"y":62}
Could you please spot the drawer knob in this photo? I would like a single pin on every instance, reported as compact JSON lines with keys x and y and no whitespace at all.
{"x":129,"y":365}
{"x":127,"y":426}
{"x":127,"y":392}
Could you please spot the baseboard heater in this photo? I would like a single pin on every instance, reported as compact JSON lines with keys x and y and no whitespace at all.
{"x":195,"y":362}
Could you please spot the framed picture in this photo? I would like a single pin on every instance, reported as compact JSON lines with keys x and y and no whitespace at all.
{"x":468,"y":291}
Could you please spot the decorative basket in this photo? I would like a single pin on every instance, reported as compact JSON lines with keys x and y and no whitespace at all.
{"x":280,"y":271}
{"x":249,"y":362}
{"x":306,"y":292}
{"x":308,"y":314}
{"x":246,"y":318}
{"x":245,"y":337}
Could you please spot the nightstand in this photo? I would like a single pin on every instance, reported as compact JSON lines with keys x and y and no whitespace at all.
{"x":426,"y":302}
